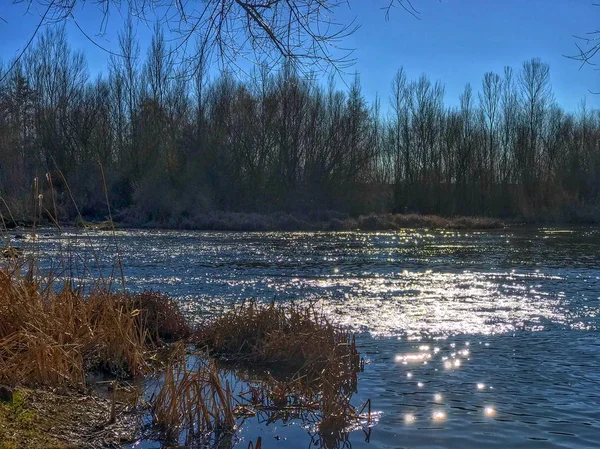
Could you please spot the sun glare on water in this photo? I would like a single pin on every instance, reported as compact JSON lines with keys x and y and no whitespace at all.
{"x":438,"y":416}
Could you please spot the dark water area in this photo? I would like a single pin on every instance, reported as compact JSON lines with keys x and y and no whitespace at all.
{"x":473,"y":339}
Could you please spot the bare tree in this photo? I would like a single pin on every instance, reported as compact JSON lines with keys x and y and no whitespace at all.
{"x":489,"y":100}
{"x":536,"y":97}
{"x":399,"y":103}
{"x":175,"y":148}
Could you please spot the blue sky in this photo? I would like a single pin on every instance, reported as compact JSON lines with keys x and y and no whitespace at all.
{"x":454,"y":41}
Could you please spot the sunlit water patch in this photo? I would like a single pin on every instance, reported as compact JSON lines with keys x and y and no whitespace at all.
{"x":474,"y":339}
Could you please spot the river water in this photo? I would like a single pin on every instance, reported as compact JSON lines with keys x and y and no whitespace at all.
{"x":473,"y":339}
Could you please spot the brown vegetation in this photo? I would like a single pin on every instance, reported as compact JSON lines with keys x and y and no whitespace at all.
{"x":324,"y":221}
{"x":312,"y":363}
{"x":400,"y":221}
{"x":193,"y":401}
{"x":287,"y":362}
{"x":54,"y":339}
{"x":53,"y":336}
{"x":297,"y":338}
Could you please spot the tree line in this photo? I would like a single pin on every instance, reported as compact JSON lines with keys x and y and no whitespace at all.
{"x":163,"y":143}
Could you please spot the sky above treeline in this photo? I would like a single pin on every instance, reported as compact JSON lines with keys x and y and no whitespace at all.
{"x":454,"y":42}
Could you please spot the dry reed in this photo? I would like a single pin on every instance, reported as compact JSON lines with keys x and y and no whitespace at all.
{"x":53,"y":336}
{"x":297,"y":339}
{"x":316,"y":362}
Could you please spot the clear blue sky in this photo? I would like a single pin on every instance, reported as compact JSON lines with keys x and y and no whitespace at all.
{"x":454,"y":41}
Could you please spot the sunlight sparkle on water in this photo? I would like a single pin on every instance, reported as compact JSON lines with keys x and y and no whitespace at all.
{"x":414,"y":358}
{"x":437,"y":397}
{"x":441,"y":303}
{"x":409,"y":418}
{"x":489,"y":411}
{"x":400,"y":297}
{"x":480,"y":386}
{"x":438,"y":416}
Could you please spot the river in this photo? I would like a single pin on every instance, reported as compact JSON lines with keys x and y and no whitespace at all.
{"x":473,"y":339}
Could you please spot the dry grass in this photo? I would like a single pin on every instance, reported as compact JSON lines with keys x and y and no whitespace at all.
{"x":55,"y":335}
{"x":313,"y":363}
{"x":162,"y":317}
{"x":52,"y":336}
{"x":314,"y":221}
{"x":296,"y":339}
{"x":292,"y":364}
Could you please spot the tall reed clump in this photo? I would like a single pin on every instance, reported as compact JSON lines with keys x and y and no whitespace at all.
{"x":315,"y":361}
{"x":193,"y":401}
{"x":53,"y":335}
{"x":161,"y":317}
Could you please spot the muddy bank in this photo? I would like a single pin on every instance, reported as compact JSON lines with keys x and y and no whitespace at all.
{"x":44,"y":418}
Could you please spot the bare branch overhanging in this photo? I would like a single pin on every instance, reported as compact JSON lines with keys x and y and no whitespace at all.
{"x":588,"y":47}
{"x":304,"y":33}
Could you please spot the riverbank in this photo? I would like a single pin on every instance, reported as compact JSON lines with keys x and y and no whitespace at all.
{"x":131,"y":218}
{"x":61,"y":419}
{"x":55,"y":340}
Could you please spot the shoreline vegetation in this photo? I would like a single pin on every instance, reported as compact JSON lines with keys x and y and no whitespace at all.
{"x":75,"y":360}
{"x":327,"y":221}
{"x":312,"y":222}
{"x":254,"y":222}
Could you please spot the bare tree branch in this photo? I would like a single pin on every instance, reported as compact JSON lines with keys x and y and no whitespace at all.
{"x":590,"y":48}
{"x":303,"y":32}
{"x":37,"y":29}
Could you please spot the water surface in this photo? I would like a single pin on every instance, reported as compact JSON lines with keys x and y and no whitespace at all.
{"x":474,"y":339}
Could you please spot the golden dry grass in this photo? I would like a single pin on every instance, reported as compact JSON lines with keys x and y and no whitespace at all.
{"x":295,"y":339}
{"x":382,"y":222}
{"x":314,"y":363}
{"x":291,"y":361}
{"x":53,"y":336}
{"x":162,"y":317}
